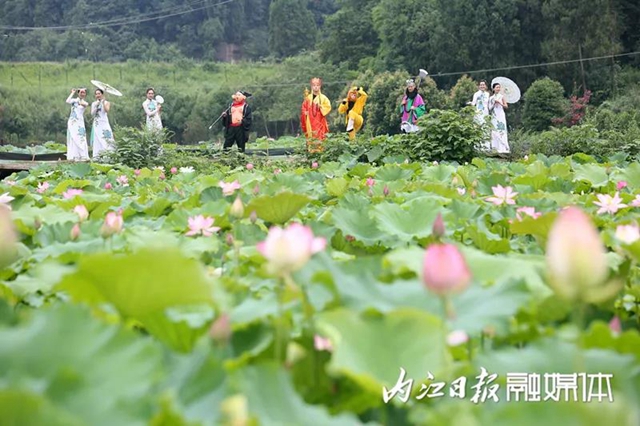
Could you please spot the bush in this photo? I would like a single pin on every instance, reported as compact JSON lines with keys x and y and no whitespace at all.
{"x":446,"y":135}
{"x":543,"y":102}
{"x":463,"y":91}
{"x":136,"y":148}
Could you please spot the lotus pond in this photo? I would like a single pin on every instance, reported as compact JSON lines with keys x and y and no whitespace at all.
{"x":304,"y":296}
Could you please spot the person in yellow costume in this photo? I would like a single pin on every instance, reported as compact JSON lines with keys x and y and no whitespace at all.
{"x":313,"y":116}
{"x":353,"y":107}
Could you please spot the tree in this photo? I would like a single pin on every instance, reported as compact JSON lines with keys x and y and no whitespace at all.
{"x":291,"y":27}
{"x":463,"y":91}
{"x":350,"y":40}
{"x":572,"y":31}
{"x":543,"y":102}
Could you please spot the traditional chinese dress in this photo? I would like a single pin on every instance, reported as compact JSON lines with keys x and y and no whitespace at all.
{"x":101,"y":133}
{"x":77,"y":148}
{"x":481,"y":102}
{"x":499,"y":137}
{"x":313,"y":121}
{"x":154,"y":122}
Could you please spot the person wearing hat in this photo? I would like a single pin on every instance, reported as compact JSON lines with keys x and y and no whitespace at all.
{"x":313,"y":116}
{"x":237,"y":121}
{"x":412,"y":108}
{"x":353,"y":107}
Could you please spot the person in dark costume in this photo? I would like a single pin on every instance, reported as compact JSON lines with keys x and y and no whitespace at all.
{"x":237,"y":121}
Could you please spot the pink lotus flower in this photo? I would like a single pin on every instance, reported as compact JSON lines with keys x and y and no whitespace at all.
{"x":502,"y":195}
{"x":136,"y":172}
{"x":609,"y":204}
{"x":201,"y":225}
{"x":615,"y":326}
{"x":370,"y":182}
{"x":71,"y":192}
{"x":445,"y":270}
{"x":75,"y":232}
{"x":288,"y":250}
{"x":249,"y":166}
{"x":462,"y":191}
{"x":123,"y":180}
{"x":457,"y":337}
{"x":6,"y":199}
{"x":82,"y":212}
{"x":173,"y":170}
{"x":576,"y":256}
{"x":42,"y":187}
{"x":527,"y":211}
{"x":277,"y":171}
{"x":162,"y":176}
{"x":314,"y":165}
{"x":636,"y":201}
{"x":621,"y":184}
{"x":322,"y":343}
{"x":229,"y":188}
{"x":113,"y":224}
{"x":108,"y":186}
{"x":628,"y":234}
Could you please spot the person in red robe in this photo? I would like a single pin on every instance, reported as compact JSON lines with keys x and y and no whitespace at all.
{"x":313,"y":117}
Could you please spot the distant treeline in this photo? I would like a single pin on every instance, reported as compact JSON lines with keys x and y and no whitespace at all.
{"x":383,"y":35}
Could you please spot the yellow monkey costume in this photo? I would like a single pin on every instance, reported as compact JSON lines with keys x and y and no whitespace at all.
{"x":353,"y":107}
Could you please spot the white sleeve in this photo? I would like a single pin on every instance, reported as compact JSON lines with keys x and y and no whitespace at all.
{"x":147,"y":111}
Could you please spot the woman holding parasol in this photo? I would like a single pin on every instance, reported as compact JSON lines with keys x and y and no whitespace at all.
{"x":77,"y":149}
{"x":505,"y":92}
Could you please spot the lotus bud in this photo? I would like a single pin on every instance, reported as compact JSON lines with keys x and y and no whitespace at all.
{"x":256,"y":189}
{"x":173,"y":170}
{"x":314,"y":165}
{"x":220,"y":330}
{"x":454,"y":181}
{"x":445,"y":270}
{"x":75,"y":232}
{"x":113,"y":223}
{"x":108,"y":186}
{"x":253,"y":217}
{"x":576,"y":257}
{"x":385,"y":190}
{"x":438,"y":227}
{"x":237,"y":208}
{"x":229,"y":238}
{"x":615,"y":326}
{"x":249,"y":166}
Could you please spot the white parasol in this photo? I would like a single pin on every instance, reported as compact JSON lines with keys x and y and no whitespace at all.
{"x":510,"y":90}
{"x":159,"y":99}
{"x":106,"y":87}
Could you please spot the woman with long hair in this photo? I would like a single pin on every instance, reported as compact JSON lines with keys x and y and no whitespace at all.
{"x":77,"y":148}
{"x":153,"y":111}
{"x":499,"y":136}
{"x":101,"y":133}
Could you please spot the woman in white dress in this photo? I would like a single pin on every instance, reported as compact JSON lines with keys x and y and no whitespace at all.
{"x":77,"y":148}
{"x":481,"y":102}
{"x":153,"y":110}
{"x":499,"y":137}
{"x":101,"y":133}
